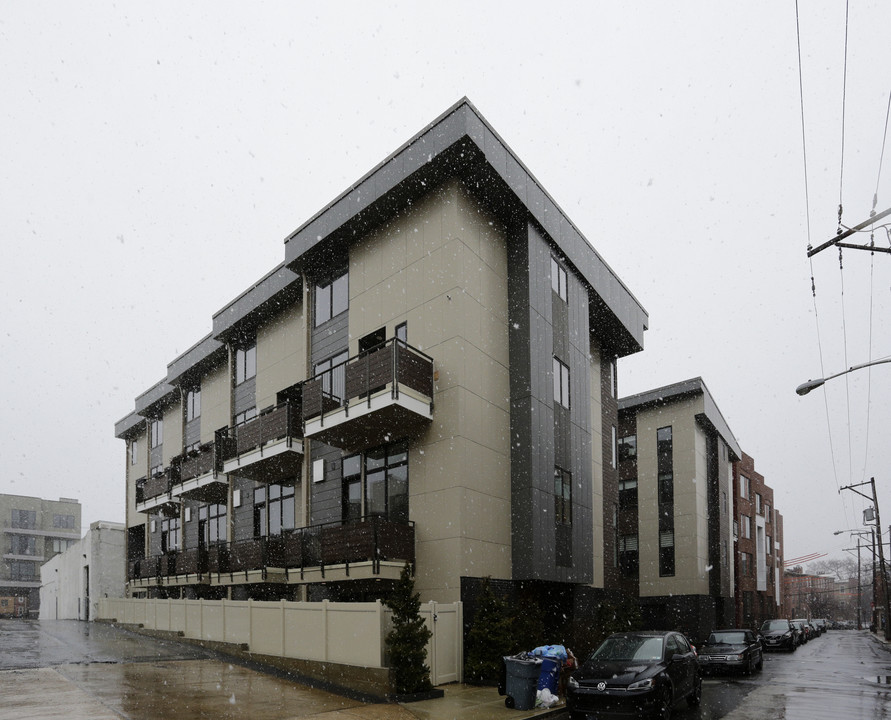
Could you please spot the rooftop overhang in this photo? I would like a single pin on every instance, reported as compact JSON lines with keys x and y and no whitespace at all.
{"x":273,"y":292}
{"x":196,"y":361}
{"x":461,"y":143}
{"x":152,"y":402}
{"x":710,"y":416}
{"x":127,"y":427}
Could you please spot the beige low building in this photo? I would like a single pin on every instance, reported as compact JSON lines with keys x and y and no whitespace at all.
{"x":676,"y":507}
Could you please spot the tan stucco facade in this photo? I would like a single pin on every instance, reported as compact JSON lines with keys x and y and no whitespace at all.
{"x":281,"y":354}
{"x":690,"y":499}
{"x":215,"y":402}
{"x":441,"y":266}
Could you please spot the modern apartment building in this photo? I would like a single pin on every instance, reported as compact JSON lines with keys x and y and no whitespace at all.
{"x":758,"y":541}
{"x":428,"y":377}
{"x":34,"y":530}
{"x":674,"y":535}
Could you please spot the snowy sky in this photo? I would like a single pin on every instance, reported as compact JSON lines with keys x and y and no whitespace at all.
{"x":155,"y":155}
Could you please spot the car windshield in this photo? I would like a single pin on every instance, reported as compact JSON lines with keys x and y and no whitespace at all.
{"x":645,"y":649}
{"x":729,"y":638}
{"x":773,"y":625}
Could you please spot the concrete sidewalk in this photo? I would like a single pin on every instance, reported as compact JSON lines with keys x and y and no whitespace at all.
{"x":469,"y":702}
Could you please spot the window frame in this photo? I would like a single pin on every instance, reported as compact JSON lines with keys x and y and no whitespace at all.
{"x":562,"y":383}
{"x":559,"y":280}
{"x":562,"y":496}
{"x":246,"y":361}
{"x":331,"y":297}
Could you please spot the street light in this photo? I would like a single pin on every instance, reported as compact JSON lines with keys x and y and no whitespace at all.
{"x":806,"y":387}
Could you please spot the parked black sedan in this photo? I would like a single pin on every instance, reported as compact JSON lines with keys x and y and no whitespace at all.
{"x":779,"y":635}
{"x":635,"y":675}
{"x":729,"y":650}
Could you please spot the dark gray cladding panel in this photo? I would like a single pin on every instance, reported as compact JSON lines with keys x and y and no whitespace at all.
{"x":327,"y":495}
{"x":542,"y":435}
{"x":243,"y":515}
{"x":245,"y":396}
{"x":444,"y":148}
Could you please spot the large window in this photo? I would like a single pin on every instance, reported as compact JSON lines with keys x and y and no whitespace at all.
{"x":212,"y":520}
{"x":60,"y":545}
{"x":628,"y":448}
{"x":63,"y":521}
{"x":665,"y":479}
{"x":744,"y":487}
{"x":561,"y":383}
{"x":745,"y":525}
{"x":629,"y":557}
{"x":333,"y":375}
{"x":24,"y":519}
{"x":559,"y":280}
{"x":193,"y":403}
{"x":562,"y":496}
{"x":628,"y":493}
{"x":352,"y":488}
{"x":22,"y":570}
{"x":245,"y":362}
{"x":23,"y":545}
{"x":386,"y":482}
{"x":332,"y":297}
{"x":273,"y":509}
{"x":170,"y":535}
{"x":156,"y":428}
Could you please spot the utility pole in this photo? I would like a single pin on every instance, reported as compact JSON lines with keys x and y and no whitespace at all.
{"x":859,"y":589}
{"x":875,"y":500}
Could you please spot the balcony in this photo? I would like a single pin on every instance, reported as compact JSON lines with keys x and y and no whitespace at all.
{"x":153,"y":493}
{"x":200,"y":475}
{"x":369,"y":548}
{"x":267,"y":448}
{"x":376,"y":396}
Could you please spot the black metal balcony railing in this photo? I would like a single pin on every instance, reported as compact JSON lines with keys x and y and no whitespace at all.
{"x":200,"y":462}
{"x":274,"y":423}
{"x":394,"y":363}
{"x":159,"y":484}
{"x":373,"y":539}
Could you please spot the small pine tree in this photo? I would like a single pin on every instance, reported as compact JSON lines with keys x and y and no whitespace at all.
{"x":490,"y":638}
{"x":407,"y":641}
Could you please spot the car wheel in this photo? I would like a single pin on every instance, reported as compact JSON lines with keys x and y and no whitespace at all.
{"x":748,"y":669}
{"x":509,"y":702}
{"x":665,"y":703}
{"x":695,"y":697}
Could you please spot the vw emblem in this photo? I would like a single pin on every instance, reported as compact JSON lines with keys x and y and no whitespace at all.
{"x":601,"y":686}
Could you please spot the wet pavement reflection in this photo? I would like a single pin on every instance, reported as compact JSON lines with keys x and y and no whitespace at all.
{"x":87,"y":670}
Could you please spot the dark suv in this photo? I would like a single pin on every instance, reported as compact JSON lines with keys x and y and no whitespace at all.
{"x":779,"y":635}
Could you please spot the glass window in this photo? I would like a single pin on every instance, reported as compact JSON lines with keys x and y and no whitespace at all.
{"x":629,"y":558}
{"x":744,"y":487}
{"x":24,"y":519}
{"x":559,"y":280}
{"x":332,"y":297}
{"x":245,"y":362}
{"x":193,"y":404}
{"x":22,"y":570}
{"x":170,"y":535}
{"x":156,"y":428}
{"x":666,"y":553}
{"x":246,"y":415}
{"x":561,"y":383}
{"x":628,"y":493}
{"x":628,"y":448}
{"x":63,"y":521}
{"x":386,"y":482}
{"x":562,"y":496}
{"x":212,"y":520}
{"x":333,"y":375}
{"x":614,"y":444}
{"x":402,"y":332}
{"x":746,"y":526}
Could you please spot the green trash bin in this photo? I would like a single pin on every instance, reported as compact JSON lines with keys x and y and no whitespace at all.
{"x":521,"y":681}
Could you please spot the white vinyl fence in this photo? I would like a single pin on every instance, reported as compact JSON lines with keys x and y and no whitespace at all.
{"x":344,"y":633}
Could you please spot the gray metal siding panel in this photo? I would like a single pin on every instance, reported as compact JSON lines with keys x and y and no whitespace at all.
{"x":243,"y":516}
{"x":327,"y":494}
{"x":245,"y":396}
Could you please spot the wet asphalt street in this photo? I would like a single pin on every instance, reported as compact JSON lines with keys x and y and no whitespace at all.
{"x":77,"y":670}
{"x":841,"y":675}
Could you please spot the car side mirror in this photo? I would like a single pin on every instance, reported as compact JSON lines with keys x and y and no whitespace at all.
{"x":678,"y":657}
